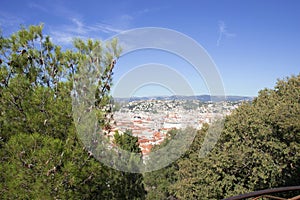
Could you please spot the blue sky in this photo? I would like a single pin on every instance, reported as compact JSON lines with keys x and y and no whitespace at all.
{"x":251,"y":42}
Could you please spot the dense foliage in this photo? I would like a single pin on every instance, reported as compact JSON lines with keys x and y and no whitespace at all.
{"x":259,"y":148}
{"x":41,"y":155}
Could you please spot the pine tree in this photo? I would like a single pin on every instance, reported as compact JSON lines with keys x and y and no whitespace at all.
{"x":41,"y":155}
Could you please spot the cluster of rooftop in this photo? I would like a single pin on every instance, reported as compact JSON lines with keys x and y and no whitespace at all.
{"x":150,"y":120}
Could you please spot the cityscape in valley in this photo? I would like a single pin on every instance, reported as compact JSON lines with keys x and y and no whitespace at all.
{"x":150,"y":100}
{"x":150,"y":119}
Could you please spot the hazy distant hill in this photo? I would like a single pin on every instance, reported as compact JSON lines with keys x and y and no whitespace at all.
{"x":204,"y":98}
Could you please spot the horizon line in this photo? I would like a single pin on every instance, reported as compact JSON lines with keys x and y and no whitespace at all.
{"x":152,"y":96}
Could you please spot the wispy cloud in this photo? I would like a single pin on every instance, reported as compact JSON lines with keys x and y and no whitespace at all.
{"x":118,"y":24}
{"x":73,"y":24}
{"x":62,"y":37}
{"x":106,"y":28}
{"x":143,"y":11}
{"x":223,"y":32}
{"x":7,"y":19}
{"x":34,"y":5}
{"x":78,"y":27}
{"x":55,"y":8}
{"x":149,"y":10}
{"x":65,"y":34}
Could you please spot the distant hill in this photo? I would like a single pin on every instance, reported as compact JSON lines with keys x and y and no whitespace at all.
{"x":203,"y":98}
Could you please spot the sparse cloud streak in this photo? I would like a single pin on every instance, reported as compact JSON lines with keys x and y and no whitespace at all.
{"x":78,"y":29}
{"x":74,"y":25}
{"x":223,"y":32}
{"x":106,"y":28}
{"x":33,"y":5}
{"x":7,"y":19}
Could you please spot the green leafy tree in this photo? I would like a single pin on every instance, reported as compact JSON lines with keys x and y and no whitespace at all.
{"x":41,"y":155}
{"x":258,"y":149}
{"x":131,"y":184}
{"x":158,"y":183}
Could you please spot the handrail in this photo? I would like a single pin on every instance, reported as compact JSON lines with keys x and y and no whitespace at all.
{"x":261,"y":193}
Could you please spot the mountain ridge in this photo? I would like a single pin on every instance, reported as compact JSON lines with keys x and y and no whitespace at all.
{"x":204,"y":98}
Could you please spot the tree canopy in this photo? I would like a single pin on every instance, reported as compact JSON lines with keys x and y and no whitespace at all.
{"x":41,"y":154}
{"x":259,"y":148}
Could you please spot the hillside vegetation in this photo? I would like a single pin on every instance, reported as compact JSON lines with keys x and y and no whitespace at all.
{"x":41,"y":156}
{"x":259,"y":148}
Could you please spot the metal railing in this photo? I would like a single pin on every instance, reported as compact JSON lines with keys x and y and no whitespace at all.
{"x":266,"y":194}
